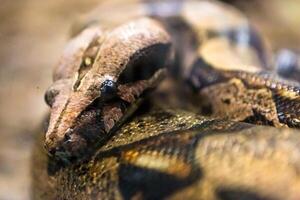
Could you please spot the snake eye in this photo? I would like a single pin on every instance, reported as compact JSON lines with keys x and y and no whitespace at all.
{"x":108,"y":89}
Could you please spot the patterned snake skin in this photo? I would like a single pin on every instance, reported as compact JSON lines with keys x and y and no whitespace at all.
{"x":166,"y":100}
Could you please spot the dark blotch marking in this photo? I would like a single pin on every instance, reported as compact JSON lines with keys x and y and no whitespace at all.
{"x":226,"y":101}
{"x":203,"y":75}
{"x":154,"y":184}
{"x":239,"y":194}
{"x":258,"y":118}
{"x":151,"y":184}
{"x":184,"y":40}
{"x":145,"y":62}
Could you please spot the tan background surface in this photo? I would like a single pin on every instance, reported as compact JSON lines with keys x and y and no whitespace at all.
{"x":32,"y":35}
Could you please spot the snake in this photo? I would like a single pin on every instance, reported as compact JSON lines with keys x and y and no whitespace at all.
{"x":169,"y":100}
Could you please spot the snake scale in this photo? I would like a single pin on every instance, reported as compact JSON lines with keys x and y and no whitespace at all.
{"x":168,"y":100}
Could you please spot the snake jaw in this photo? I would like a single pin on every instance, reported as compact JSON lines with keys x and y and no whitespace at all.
{"x":99,"y":120}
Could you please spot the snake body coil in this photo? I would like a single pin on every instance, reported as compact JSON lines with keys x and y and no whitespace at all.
{"x":203,"y":57}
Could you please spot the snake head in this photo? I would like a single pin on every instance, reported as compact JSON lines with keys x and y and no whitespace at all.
{"x":99,"y":81}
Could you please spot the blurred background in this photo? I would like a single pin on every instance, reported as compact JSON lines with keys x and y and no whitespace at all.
{"x":32,"y":36}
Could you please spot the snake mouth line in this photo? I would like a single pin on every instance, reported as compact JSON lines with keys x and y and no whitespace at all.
{"x":99,"y":121}
{"x":90,"y":129}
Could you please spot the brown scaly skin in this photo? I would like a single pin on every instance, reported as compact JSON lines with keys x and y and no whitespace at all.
{"x":91,"y":81}
{"x":164,"y":153}
{"x":174,"y":154}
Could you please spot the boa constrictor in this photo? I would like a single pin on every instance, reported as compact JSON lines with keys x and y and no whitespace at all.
{"x":165,"y":100}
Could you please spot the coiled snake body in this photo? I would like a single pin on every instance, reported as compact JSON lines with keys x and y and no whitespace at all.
{"x":151,"y":103}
